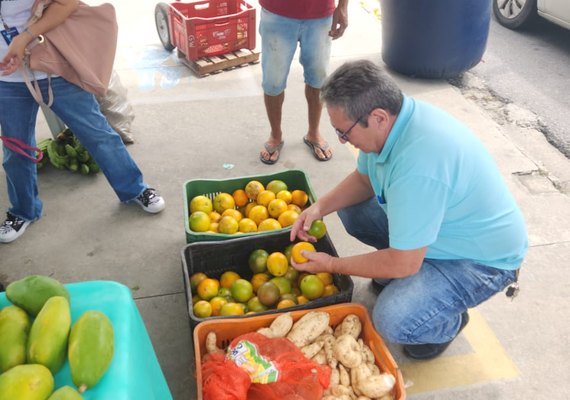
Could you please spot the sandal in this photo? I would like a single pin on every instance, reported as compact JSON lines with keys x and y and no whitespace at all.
{"x":322,"y":147}
{"x":271,"y":150}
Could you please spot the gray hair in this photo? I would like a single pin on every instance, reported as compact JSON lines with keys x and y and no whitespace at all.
{"x":358,"y":87}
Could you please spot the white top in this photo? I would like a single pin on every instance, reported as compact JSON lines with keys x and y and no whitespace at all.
{"x":16,"y":13}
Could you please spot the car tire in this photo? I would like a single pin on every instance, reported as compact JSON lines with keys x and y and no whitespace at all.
{"x":515,"y":14}
{"x":162,"y":25}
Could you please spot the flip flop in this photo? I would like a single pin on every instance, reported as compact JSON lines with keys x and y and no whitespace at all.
{"x":314,"y":146}
{"x":271,"y":151}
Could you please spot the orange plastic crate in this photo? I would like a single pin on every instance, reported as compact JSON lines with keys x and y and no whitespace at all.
{"x":212,"y":27}
{"x":227,"y":329}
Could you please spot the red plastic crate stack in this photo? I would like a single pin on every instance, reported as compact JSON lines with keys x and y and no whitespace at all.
{"x":209,"y":28}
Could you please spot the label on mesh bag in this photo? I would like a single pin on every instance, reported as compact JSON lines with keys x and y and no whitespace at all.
{"x":259,"y":368}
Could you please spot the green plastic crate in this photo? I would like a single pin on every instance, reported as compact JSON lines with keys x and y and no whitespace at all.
{"x":215,"y":258}
{"x":295,"y":179}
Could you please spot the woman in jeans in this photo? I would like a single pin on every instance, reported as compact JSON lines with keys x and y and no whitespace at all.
{"x":77,"y":108}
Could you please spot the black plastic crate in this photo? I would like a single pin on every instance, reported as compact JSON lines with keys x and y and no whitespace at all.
{"x":214,"y":258}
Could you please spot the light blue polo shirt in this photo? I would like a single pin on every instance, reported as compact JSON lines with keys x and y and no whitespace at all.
{"x":440,"y":188}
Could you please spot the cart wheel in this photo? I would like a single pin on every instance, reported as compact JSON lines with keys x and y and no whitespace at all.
{"x":161,"y":20}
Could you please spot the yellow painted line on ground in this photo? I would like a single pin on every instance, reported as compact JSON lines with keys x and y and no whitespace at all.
{"x":487,"y":362}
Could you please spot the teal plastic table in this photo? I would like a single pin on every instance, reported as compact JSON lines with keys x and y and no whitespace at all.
{"x":134,"y":372}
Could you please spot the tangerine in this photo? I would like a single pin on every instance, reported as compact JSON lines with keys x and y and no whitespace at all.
{"x":248,"y":208}
{"x":326,"y":277}
{"x":299,"y":197}
{"x":223,"y":201}
{"x":285,"y":195}
{"x":258,"y":261}
{"x":318,"y":229}
{"x":286,"y":303}
{"x":208,"y":288}
{"x":288,"y":218}
{"x":199,"y":221}
{"x":254,"y":305}
{"x":258,"y":214}
{"x":312,"y":287}
{"x":276,"y":186}
{"x":292,"y":274}
{"x":295,"y":208}
{"x":265,"y":197}
{"x":276,"y":207}
{"x":215,"y":216}
{"x":277,"y":264}
{"x":259,"y":279}
{"x":302,"y":300}
{"x":228,"y":278}
{"x":231,"y":308}
{"x":242,"y":290}
{"x":228,"y":225}
{"x":330,"y":290}
{"x":247,"y":225}
{"x":195,"y":279}
{"x":217,"y":303}
{"x":240,"y":197}
{"x":201,"y":203}
{"x":298,"y":248}
{"x":232,"y":212}
{"x":268,"y":224}
{"x":253,"y":188}
{"x":202,"y":309}
{"x":283,"y":284}
{"x":213,"y":227}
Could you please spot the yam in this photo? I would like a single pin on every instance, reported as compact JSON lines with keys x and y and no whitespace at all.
{"x":308,"y":328}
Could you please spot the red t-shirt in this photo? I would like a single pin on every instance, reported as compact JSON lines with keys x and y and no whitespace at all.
{"x":299,"y":9}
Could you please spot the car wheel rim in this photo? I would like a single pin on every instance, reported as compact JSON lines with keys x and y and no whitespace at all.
{"x":510,"y":8}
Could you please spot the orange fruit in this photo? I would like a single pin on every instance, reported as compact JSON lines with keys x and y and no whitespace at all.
{"x":302,"y":300}
{"x":276,"y":186}
{"x":295,"y":208}
{"x":277,"y":264}
{"x":259,"y":279}
{"x":199,"y":221}
{"x":292,"y":274}
{"x":195,"y":299}
{"x":258,"y":261}
{"x":195,"y":279}
{"x":225,"y":292}
{"x":283,"y":284}
{"x":289,"y":296}
{"x":248,"y":208}
{"x":215,"y":216}
{"x":330,"y":290}
{"x":223,"y":201}
{"x":228,"y":278}
{"x":232,"y":212}
{"x":265,"y":197}
{"x":213,"y":227}
{"x":247,"y":225}
{"x":276,"y":207}
{"x":299,"y":197}
{"x":318,"y":229}
{"x":312,"y":287}
{"x":228,"y":225}
{"x":217,"y":303}
{"x":240,"y":197}
{"x":208,"y":288}
{"x":201,"y":203}
{"x":296,"y":251}
{"x":285,"y":195}
{"x":269,"y":224}
{"x":286,"y":303}
{"x":288,"y":218}
{"x":287,"y":252}
{"x":253,"y":188}
{"x":242,"y":290}
{"x":258,"y":214}
{"x":254,"y":305}
{"x":232,"y":309}
{"x":326,"y":277}
{"x":268,"y":294}
{"x":202,"y":309}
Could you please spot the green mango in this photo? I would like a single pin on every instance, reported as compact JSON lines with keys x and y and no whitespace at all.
{"x":14,"y":328}
{"x":26,"y":382}
{"x":31,"y":292}
{"x":91,"y":347}
{"x":65,"y":393}
{"x":49,"y":334}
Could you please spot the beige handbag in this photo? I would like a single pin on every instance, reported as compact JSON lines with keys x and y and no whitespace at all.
{"x":81,"y":50}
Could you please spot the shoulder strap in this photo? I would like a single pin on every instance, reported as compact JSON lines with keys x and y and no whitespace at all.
{"x":19,"y":147}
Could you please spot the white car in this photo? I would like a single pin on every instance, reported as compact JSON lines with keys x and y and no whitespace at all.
{"x":515,"y":14}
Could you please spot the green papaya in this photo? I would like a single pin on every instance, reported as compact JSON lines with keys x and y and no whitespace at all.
{"x":65,"y":393}
{"x":31,"y":292}
{"x":26,"y":382}
{"x":49,"y":334}
{"x":14,"y":329}
{"x":91,"y":347}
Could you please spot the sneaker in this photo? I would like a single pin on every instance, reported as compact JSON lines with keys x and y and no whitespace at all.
{"x":432,"y":350}
{"x":12,"y":228}
{"x":150,"y":201}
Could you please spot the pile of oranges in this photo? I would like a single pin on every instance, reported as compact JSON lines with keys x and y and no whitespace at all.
{"x":274,"y":284}
{"x":254,"y":208}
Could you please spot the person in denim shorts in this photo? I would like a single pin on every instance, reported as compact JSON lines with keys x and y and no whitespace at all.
{"x":428,"y":198}
{"x":283,"y":24}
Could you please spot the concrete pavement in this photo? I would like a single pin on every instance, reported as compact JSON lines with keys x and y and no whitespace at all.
{"x":214,"y":127}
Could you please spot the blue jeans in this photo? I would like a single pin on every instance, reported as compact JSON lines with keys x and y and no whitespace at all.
{"x":79,"y":110}
{"x":279,"y":38}
{"x":425,"y":307}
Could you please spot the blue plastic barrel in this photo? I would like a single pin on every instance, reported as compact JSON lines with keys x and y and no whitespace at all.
{"x":434,"y":38}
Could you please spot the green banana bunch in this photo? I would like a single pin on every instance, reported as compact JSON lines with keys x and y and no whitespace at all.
{"x":67,"y":152}
{"x":56,"y":159}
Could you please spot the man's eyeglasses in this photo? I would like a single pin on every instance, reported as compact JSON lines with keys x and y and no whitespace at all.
{"x":344,"y":135}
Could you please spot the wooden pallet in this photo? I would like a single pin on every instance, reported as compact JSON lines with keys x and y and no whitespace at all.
{"x":225,"y":62}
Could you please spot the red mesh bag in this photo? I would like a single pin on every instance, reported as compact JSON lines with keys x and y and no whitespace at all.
{"x":275,"y":369}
